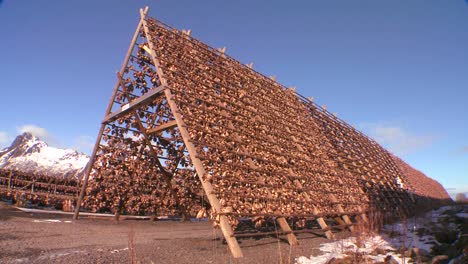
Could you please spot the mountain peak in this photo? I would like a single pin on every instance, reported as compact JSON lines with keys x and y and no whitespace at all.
{"x":23,"y":138}
{"x":25,"y":143}
{"x":29,"y":154}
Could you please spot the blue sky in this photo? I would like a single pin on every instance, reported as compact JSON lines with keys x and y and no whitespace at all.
{"x":397,"y":70}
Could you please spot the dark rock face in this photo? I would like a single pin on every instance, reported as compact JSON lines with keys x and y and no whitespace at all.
{"x":18,"y":147}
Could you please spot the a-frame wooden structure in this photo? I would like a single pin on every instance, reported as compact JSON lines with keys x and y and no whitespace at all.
{"x":186,"y":122}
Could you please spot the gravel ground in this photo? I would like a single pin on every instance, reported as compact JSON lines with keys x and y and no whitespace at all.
{"x":49,"y":238}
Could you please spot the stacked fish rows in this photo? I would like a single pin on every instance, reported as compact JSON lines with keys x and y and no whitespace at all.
{"x":37,"y":188}
{"x":267,"y":151}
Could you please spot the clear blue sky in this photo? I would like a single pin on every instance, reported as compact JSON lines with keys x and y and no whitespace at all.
{"x":398,"y":70}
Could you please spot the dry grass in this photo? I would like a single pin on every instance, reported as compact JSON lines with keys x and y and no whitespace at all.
{"x":131,"y":246}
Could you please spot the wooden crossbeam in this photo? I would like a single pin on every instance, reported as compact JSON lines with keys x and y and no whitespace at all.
{"x":162,"y":127}
{"x":127,"y":108}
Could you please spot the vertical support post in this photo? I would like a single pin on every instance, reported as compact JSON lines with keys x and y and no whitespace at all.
{"x":214,"y":202}
{"x":224,"y":223}
{"x":9,"y":180}
{"x":108,"y":110}
{"x":118,"y":211}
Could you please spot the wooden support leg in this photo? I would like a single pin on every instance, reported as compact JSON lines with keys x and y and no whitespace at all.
{"x":340,"y":221}
{"x":364,"y":218}
{"x":346,"y":218}
{"x":117,"y":215}
{"x":208,"y":188}
{"x":292,"y":240}
{"x":229,"y":236}
{"x":348,"y":222}
{"x":89,"y":166}
{"x":323,"y":224}
{"x":118,"y":211}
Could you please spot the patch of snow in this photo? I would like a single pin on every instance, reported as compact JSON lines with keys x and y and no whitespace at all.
{"x":344,"y":247}
{"x":57,"y":254}
{"x":462,"y":215}
{"x":317,"y":260}
{"x":22,"y":260}
{"x":47,"y":221}
{"x":404,"y":234}
{"x":64,"y":158}
{"x":118,"y":250}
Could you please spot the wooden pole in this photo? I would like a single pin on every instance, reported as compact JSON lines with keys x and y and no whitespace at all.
{"x":213,"y":200}
{"x":103,"y":125}
{"x":292,"y":239}
{"x":9,"y":180}
{"x":323,"y":224}
{"x":32,"y":185}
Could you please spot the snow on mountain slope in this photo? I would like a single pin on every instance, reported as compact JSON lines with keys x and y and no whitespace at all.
{"x":29,"y":154}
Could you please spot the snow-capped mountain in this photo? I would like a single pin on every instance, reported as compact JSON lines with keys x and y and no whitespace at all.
{"x":29,"y":154}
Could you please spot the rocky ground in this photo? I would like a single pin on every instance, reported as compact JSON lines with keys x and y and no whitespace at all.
{"x":47,"y":238}
{"x":52,"y":238}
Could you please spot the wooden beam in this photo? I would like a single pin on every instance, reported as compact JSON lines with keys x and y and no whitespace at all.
{"x":127,"y":108}
{"x":9,"y":179}
{"x":340,"y":222}
{"x":162,"y":127}
{"x":340,"y":209}
{"x":209,"y":191}
{"x":323,"y":224}
{"x":108,"y":110}
{"x":292,"y":240}
{"x":208,"y":188}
